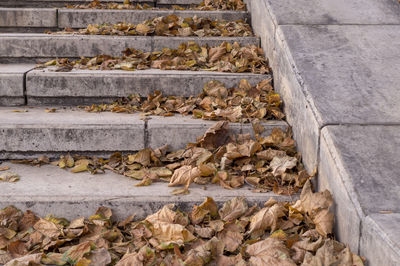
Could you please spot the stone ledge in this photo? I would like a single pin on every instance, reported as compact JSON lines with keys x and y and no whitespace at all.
{"x":161,"y":130}
{"x":36,"y":45}
{"x":90,"y":86}
{"x":50,"y":190}
{"x":12,"y":83}
{"x":28,"y":17}
{"x":80,"y":18}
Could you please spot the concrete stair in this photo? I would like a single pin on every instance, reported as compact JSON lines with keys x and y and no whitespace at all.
{"x":28,"y":131}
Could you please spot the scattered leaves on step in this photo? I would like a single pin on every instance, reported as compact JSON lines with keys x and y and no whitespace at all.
{"x":127,"y":4}
{"x":268,"y":163}
{"x":226,"y":57}
{"x":243,"y":103}
{"x":9,"y":177}
{"x":206,"y":235}
{"x":171,"y":25}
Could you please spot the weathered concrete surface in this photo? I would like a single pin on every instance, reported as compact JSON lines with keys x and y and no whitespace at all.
{"x":341,"y":72}
{"x":31,"y":45}
{"x":360,"y":165}
{"x":58,"y":3}
{"x":80,"y":18}
{"x":164,"y":130}
{"x":28,"y":17}
{"x":49,"y":189}
{"x":380,"y":237}
{"x":160,"y":42}
{"x":353,"y":77}
{"x":96,"y":86}
{"x":44,"y":45}
{"x":12,"y":83}
{"x":368,"y":157}
{"x":36,"y":131}
{"x":303,"y":12}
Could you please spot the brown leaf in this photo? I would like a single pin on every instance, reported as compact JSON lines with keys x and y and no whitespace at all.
{"x":279,"y":165}
{"x":233,"y":209}
{"x":48,"y":228}
{"x":270,"y":251}
{"x":184,"y":176}
{"x":266,"y":218}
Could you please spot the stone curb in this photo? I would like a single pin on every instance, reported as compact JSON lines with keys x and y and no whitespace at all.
{"x":33,"y":46}
{"x":90,"y":86}
{"x":36,"y":132}
{"x":353,"y":226}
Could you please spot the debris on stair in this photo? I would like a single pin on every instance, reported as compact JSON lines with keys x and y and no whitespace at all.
{"x":264,"y":163}
{"x":8,"y":176}
{"x":240,"y":104}
{"x":206,"y":5}
{"x":226,"y":57}
{"x":171,"y":25}
{"x":277,"y":233}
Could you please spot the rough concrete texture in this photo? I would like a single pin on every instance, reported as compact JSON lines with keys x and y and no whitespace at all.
{"x":162,"y":129}
{"x":12,"y":83}
{"x":28,"y":17}
{"x":58,"y":3}
{"x":329,"y":12}
{"x":368,"y":157}
{"x":31,"y":45}
{"x":44,"y":45}
{"x":49,"y":189}
{"x":380,"y":236}
{"x":160,"y":42}
{"x":353,"y":77}
{"x":33,"y":130}
{"x":95,"y":86}
{"x":297,"y":108}
{"x":75,"y":18}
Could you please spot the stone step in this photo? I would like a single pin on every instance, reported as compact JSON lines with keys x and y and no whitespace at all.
{"x":12,"y":83}
{"x":80,"y":18}
{"x":31,"y":131}
{"x":50,"y":190}
{"x":30,"y":46}
{"x":52,"y":18}
{"x":97,"y":86}
{"x":62,"y":3}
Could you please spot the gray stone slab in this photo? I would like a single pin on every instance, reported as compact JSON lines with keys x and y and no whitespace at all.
{"x":164,"y":130}
{"x":12,"y":83}
{"x":347,"y":224}
{"x":28,"y":17}
{"x":28,"y":45}
{"x":329,"y":12}
{"x":178,"y":2}
{"x":96,"y":86}
{"x":368,"y":159}
{"x":49,"y":189}
{"x":160,"y":42}
{"x":58,"y":3}
{"x":349,"y":74}
{"x":37,"y":131}
{"x":380,"y":237}
{"x":80,"y":18}
{"x":31,"y":45}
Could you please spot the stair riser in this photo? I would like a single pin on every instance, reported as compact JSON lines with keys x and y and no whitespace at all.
{"x":34,"y":46}
{"x":58,"y":3}
{"x":51,"y":18}
{"x":36,"y":133}
{"x":80,"y":87}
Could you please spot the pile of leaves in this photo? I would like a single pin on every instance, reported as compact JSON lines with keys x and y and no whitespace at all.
{"x":278,"y":233}
{"x":265,"y":163}
{"x":216,"y":102}
{"x":170,"y":25}
{"x":226,"y":57}
{"x":205,"y":5}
